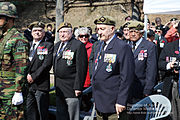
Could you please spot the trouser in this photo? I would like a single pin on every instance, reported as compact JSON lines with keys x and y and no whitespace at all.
{"x":111,"y":116}
{"x":175,"y":102}
{"x":67,"y":108}
{"x":9,"y":111}
{"x":37,"y":105}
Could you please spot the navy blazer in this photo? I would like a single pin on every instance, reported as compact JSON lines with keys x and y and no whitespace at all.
{"x":111,"y":87}
{"x":145,"y":57}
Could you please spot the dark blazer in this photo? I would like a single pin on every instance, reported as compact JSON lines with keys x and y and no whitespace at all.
{"x":145,"y":57}
{"x":91,"y":58}
{"x":70,"y":77}
{"x":39,"y":68}
{"x":167,"y":52}
{"x":111,"y":87}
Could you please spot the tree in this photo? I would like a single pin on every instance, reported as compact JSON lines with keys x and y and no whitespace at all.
{"x":59,"y":16}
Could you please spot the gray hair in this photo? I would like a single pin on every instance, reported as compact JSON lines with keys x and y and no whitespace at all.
{"x":83,"y":30}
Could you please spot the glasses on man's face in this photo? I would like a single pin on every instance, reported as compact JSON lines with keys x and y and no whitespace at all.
{"x":83,"y":36}
{"x":157,"y":31}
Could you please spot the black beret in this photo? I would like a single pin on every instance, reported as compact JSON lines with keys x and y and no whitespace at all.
{"x":36,"y":24}
{"x":173,"y":19}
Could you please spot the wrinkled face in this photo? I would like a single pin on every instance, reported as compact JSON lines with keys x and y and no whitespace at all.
{"x":65,"y":34}
{"x":83,"y":38}
{"x":134,"y":35}
{"x":105,"y":32}
{"x":38,"y":33}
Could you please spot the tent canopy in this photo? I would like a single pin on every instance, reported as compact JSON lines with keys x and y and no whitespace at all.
{"x":161,"y":7}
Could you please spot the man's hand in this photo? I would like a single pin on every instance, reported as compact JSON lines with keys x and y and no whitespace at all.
{"x":29,"y":78}
{"x":77,"y":93}
{"x":119,"y":108}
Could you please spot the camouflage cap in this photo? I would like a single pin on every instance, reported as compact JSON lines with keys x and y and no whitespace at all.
{"x":136,"y":24}
{"x":106,"y":20}
{"x":36,"y":24}
{"x":8,"y":9}
{"x":64,"y":25}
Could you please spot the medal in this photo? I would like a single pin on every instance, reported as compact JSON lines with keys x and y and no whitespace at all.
{"x":109,"y":67}
{"x":41,"y":57}
{"x":69,"y":62}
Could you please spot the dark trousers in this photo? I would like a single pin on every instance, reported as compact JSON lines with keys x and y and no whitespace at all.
{"x":175,"y":102}
{"x":112,"y":116}
{"x":37,"y":105}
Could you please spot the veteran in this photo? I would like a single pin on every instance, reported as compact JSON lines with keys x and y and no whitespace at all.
{"x":41,"y":55}
{"x":145,"y":57}
{"x":70,"y":69}
{"x":13,"y":64}
{"x":112,"y":72}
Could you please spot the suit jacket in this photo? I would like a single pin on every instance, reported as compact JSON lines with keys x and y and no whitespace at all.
{"x":111,"y":80}
{"x":170,"y":50}
{"x":70,"y":74}
{"x":40,"y":66}
{"x":145,"y":57}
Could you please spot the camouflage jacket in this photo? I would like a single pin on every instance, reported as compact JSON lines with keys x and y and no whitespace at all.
{"x":14,"y":59}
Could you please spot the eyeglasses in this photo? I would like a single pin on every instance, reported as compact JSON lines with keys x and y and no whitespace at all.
{"x":158,"y":31}
{"x":82,"y":36}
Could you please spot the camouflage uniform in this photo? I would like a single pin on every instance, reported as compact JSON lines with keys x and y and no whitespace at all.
{"x":13,"y":64}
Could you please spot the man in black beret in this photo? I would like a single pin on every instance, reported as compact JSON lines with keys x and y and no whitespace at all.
{"x":70,"y":69}
{"x":112,"y":72}
{"x":169,"y":63}
{"x":41,"y":53}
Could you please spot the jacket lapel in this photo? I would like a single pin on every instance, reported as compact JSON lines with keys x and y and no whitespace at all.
{"x":109,"y":47}
{"x":66,"y":48}
{"x":35,"y":54}
{"x":139,"y":48}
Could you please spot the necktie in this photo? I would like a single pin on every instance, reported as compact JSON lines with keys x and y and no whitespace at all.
{"x":101,"y":51}
{"x":32,"y":50}
{"x":133,"y":46}
{"x":61,"y":48}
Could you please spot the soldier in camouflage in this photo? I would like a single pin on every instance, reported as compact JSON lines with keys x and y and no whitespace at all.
{"x":13,"y":64}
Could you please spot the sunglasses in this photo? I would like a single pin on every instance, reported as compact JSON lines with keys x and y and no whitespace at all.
{"x":158,"y":31}
{"x":82,"y":36}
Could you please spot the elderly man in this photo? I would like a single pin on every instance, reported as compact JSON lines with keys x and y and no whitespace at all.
{"x":145,"y":56}
{"x":113,"y":72}
{"x":70,"y":69}
{"x":41,"y":54}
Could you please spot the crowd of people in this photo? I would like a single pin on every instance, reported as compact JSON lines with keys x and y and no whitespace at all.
{"x":121,"y":66}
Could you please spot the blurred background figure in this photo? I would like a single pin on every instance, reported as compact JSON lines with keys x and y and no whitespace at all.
{"x":172,"y":33}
